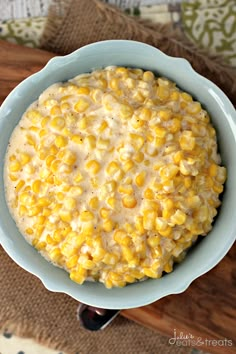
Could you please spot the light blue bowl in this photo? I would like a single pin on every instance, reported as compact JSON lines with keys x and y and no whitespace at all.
{"x":201,"y":258}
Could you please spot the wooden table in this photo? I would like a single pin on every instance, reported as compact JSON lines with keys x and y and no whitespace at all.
{"x":207,"y":309}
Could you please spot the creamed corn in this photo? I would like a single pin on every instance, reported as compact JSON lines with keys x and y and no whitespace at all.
{"x":113,"y":175}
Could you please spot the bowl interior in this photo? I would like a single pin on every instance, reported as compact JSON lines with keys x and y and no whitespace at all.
{"x":202,"y":257}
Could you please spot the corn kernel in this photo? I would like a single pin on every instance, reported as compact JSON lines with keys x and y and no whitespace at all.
{"x":128,"y":165}
{"x":19,"y":185}
{"x":140,"y":179}
{"x":194,"y":108}
{"x":70,"y":203}
{"x":168,"y":171}
{"x":165,"y":114}
{"x":174,"y":96}
{"x":160,"y":132}
{"x":82,"y":105}
{"x":137,"y":141}
{"x":86,"y":215}
{"x":55,"y":255}
{"x":119,"y":235}
{"x":76,"y":277}
{"x":125,"y":188}
{"x":178,"y":156}
{"x":187,"y":140}
{"x":153,"y":241}
{"x":65,"y":215}
{"x":78,"y":177}
{"x":168,"y":267}
{"x":41,"y":245}
{"x":77,"y":139}
{"x":126,"y":111}
{"x":111,"y":201}
{"x":104,"y":213}
{"x":57,"y":123}
{"x":114,"y":83}
{"x":149,"y":218}
{"x":83,"y":90}
{"x":108,"y":225}
{"x":163,"y":93}
{"x":148,"y":76}
{"x":137,"y":96}
{"x":218,"y":188}
{"x":213,"y":169}
{"x":166,"y":232}
{"x":110,"y":259}
{"x":148,"y":193}
{"x":93,"y":166}
{"x":72,"y":262}
{"x":68,"y":157}
{"x":36,"y":185}
{"x":179,"y":217}
{"x":14,"y":166}
{"x":29,"y":231}
{"x":34,"y":116}
{"x":90,"y":141}
{"x":186,"y":97}
{"x":145,"y":114}
{"x":150,"y":273}
{"x":127,"y":253}
{"x":112,"y":168}
{"x":61,"y":141}
{"x":138,"y":157}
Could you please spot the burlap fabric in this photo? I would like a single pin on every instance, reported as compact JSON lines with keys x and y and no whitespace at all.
{"x":76,"y":23}
{"x":27,"y":308}
{"x":30,"y":310}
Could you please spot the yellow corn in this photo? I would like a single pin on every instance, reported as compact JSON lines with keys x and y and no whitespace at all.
{"x":163,"y":92}
{"x":82,"y":105}
{"x":108,"y":225}
{"x":112,"y":168}
{"x":129,"y":201}
{"x":77,"y":139}
{"x":68,"y":157}
{"x":70,"y":203}
{"x":187,"y":140}
{"x":125,"y":188}
{"x":94,"y":203}
{"x":36,"y":186}
{"x":152,"y":148}
{"x":140,"y":179}
{"x":149,"y":218}
{"x":90,"y":141}
{"x":179,"y":217}
{"x":93,"y":166}
{"x":14,"y":166}
{"x":168,"y":171}
{"x":61,"y":141}
{"x":128,"y":165}
{"x":104,"y":213}
{"x":57,"y":123}
{"x":111,"y":201}
{"x":86,"y":215}
{"x":126,"y":111}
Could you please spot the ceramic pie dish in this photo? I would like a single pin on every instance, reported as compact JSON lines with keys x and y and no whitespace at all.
{"x":202,"y":257}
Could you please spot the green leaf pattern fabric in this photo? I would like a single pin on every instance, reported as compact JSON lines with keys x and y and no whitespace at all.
{"x":212,"y":24}
{"x":23,"y":31}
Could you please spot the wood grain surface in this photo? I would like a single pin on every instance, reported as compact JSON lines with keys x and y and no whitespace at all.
{"x":206,"y":311}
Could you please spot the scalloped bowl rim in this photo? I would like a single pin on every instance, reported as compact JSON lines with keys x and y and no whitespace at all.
{"x":122,"y":52}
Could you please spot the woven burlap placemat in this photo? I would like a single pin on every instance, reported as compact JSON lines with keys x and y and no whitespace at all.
{"x":73,"y":24}
{"x":30,"y":310}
